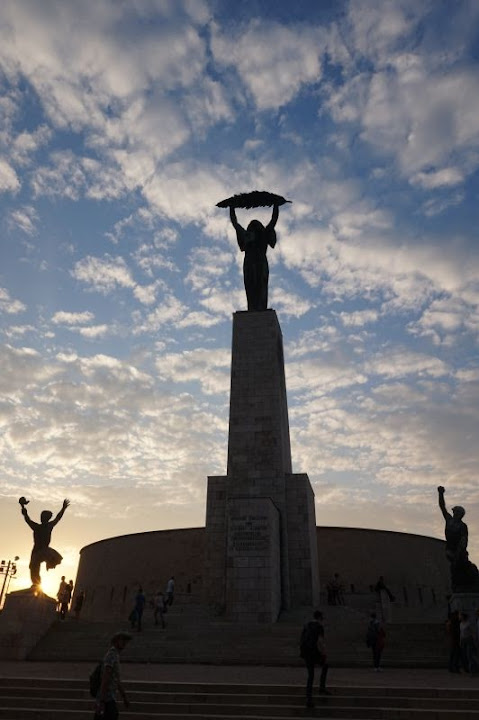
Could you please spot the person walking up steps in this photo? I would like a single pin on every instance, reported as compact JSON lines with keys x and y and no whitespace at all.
{"x":312,"y":650}
{"x":105,"y":706}
{"x":65,"y":599}
{"x":170,"y":590}
{"x":160,"y":609}
{"x":61,"y":592}
{"x":375,"y":639}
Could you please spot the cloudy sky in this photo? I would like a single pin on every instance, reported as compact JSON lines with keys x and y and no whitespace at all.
{"x":122,"y":124}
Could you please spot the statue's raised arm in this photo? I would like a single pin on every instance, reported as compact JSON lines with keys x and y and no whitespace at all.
{"x":441,"y":491}
{"x":23,"y":502}
{"x":59,"y":516}
{"x":234,"y":220}
{"x":271,"y":225}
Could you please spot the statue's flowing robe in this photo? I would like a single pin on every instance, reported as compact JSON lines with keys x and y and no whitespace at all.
{"x":254,"y":244}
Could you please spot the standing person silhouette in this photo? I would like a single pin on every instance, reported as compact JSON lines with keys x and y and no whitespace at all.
{"x":42,"y":533}
{"x":254,"y":243}
{"x":312,"y":650}
{"x":105,"y":706}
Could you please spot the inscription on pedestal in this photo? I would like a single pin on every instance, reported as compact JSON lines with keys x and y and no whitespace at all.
{"x":249,"y":534}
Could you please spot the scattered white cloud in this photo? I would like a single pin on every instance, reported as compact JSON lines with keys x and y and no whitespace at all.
{"x":273,"y":61}
{"x":103,"y":274}
{"x":437,"y":205}
{"x":199,"y":319}
{"x":359,"y":318}
{"x":146,"y":294}
{"x":63,"y":317}
{"x":9,"y":181}
{"x":94,"y":331}
{"x":290,"y":304}
{"x":170,"y":311}
{"x":410,"y":102}
{"x":447,"y":177}
{"x":208,"y":367}
{"x":402,"y":362}
{"x":9,"y":305}
{"x":444,"y":318}
{"x":24,"y":218}
{"x":27,"y":143}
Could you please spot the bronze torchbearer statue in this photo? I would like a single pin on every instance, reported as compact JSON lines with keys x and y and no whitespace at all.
{"x":464,"y":574}
{"x":42,"y":533}
{"x":254,"y":242}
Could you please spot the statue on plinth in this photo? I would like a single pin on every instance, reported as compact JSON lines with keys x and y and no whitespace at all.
{"x":42,"y":533}
{"x":464,"y":574}
{"x":254,"y":242}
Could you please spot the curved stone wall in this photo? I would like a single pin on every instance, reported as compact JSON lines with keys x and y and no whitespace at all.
{"x":414,"y":566}
{"x":110,"y":571}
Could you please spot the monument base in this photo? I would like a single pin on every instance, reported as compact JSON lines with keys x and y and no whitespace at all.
{"x":261,"y":544}
{"x":26,"y":617}
{"x":253,"y":570}
{"x":465,"y":602}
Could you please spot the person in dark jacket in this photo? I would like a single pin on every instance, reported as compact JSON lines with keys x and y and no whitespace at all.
{"x":312,"y":650}
{"x":376,"y":639}
{"x":136,"y":614}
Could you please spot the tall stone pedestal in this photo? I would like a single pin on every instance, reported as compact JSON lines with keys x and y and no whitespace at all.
{"x":261,"y":552}
{"x":25,"y":619}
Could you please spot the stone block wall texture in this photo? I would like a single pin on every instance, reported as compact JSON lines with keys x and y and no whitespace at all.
{"x":24,"y":620}
{"x":302,"y":542}
{"x":258,"y":442}
{"x":111,"y":570}
{"x":215,"y":545}
{"x":414,"y":567}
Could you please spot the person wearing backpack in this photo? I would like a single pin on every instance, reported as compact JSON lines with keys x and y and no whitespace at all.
{"x":105,"y":706}
{"x":312,"y":650}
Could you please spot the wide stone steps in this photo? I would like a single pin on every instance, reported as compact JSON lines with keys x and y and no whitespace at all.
{"x":52,"y":699}
{"x":208,"y":642}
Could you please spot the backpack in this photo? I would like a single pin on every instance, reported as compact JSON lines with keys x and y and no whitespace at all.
{"x":308,"y":640}
{"x":95,"y":680}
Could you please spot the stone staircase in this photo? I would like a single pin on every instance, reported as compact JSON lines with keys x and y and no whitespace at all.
{"x":56,"y":699}
{"x":191,"y":637}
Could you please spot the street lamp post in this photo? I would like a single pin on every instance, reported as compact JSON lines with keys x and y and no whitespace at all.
{"x":8,"y":569}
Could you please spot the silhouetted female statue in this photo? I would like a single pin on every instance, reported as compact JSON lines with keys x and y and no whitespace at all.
{"x":42,"y":533}
{"x":254,"y":243}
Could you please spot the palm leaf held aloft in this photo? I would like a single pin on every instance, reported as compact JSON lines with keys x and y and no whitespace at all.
{"x":254,"y":199}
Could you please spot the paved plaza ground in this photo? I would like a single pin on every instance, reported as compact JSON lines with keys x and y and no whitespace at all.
{"x":254,"y":675}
